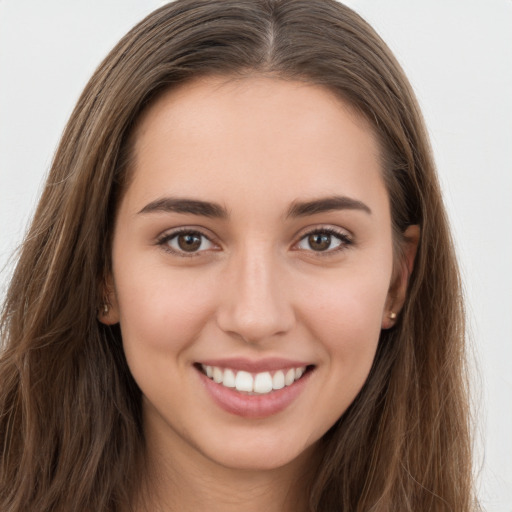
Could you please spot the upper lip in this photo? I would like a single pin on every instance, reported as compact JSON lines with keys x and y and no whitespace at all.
{"x":255,"y":366}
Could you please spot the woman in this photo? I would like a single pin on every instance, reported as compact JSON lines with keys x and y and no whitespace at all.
{"x":239,"y":288}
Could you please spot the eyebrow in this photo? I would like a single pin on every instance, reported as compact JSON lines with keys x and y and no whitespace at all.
{"x":215,"y":210}
{"x":183,"y":205}
{"x":326,"y":204}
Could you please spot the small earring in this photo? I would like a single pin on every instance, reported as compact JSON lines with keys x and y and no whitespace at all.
{"x":105,"y":309}
{"x":392,"y":315}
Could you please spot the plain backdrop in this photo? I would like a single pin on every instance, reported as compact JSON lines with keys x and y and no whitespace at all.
{"x":458,"y":56}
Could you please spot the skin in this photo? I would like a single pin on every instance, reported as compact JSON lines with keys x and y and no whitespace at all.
{"x":256,"y":287}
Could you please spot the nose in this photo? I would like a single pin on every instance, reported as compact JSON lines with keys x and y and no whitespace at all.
{"x":255,"y":305}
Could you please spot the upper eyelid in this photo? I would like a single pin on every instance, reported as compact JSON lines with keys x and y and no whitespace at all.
{"x":172,"y":232}
{"x":342,"y":232}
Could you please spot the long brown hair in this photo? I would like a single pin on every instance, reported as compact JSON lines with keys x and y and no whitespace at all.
{"x":71,"y":434}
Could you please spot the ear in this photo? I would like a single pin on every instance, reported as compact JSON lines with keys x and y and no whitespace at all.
{"x":398,"y":289}
{"x":108,"y":311}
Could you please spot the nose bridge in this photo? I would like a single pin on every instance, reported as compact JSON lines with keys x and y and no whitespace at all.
{"x":255,"y":305}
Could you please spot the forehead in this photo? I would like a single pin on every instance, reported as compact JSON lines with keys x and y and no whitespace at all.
{"x":255,"y":135}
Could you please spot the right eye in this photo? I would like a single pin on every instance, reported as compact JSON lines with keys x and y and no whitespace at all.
{"x":186,"y":242}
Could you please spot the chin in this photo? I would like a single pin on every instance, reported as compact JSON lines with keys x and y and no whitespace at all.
{"x":262,"y":454}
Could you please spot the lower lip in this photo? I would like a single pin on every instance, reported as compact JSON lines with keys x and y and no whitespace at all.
{"x":253,"y":406}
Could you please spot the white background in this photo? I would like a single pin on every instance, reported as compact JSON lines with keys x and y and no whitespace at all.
{"x":458,"y":56}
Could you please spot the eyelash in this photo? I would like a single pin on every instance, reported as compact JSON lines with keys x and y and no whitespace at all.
{"x":345,"y":241}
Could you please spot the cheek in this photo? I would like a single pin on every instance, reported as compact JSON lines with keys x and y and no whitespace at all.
{"x":350,"y":298}
{"x":345,"y":314}
{"x":161,"y":309}
{"x":342,"y":319}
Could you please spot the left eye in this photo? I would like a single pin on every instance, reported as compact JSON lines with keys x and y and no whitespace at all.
{"x":187,"y":242}
{"x":323,"y":241}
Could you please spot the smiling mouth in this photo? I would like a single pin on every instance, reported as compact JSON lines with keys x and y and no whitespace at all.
{"x":248,"y":383}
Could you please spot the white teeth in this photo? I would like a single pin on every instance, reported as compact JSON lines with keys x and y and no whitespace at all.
{"x":244,"y":381}
{"x":278,"y":380}
{"x":260,"y":383}
{"x":229,"y":379}
{"x":218,"y":375}
{"x":289,"y":377}
{"x":263,"y":383}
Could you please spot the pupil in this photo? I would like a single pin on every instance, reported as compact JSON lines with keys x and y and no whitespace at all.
{"x":319,"y":241}
{"x":189,"y":242}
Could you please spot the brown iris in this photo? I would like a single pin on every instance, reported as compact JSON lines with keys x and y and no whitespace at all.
{"x":319,"y":241}
{"x":189,"y":242}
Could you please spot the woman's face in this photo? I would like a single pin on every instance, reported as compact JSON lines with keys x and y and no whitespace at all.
{"x":252,"y":245}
